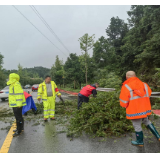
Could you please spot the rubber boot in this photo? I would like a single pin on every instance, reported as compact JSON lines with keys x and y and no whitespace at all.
{"x":16,"y":133}
{"x":154,"y":131}
{"x":16,"y":128}
{"x":139,"y":141}
{"x":19,"y":128}
{"x":22,"y":126}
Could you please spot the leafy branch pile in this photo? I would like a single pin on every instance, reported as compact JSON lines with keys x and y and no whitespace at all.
{"x":102,"y":117}
{"x":6,"y":113}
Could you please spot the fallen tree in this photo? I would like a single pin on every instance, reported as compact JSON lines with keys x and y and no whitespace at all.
{"x":102,"y":116}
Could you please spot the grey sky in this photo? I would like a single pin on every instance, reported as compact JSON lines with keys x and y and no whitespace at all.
{"x":21,"y":43}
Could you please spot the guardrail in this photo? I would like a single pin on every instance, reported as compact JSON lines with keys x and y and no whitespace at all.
{"x":154,"y":94}
{"x":105,"y":89}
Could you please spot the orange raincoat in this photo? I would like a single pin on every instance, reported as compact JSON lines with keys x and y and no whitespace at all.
{"x":135,"y":97}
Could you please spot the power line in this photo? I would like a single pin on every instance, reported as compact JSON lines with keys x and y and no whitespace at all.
{"x":37,"y":29}
{"x":47,"y":25}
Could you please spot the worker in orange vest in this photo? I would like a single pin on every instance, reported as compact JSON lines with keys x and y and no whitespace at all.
{"x":135,"y":97}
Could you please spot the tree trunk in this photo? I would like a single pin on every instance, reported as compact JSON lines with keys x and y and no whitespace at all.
{"x":63,"y":82}
{"x":86,"y":73}
{"x":86,"y":57}
{"x":74,"y":84}
{"x":86,"y":66}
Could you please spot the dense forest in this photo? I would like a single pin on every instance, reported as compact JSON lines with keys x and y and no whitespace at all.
{"x":27,"y":75}
{"x":134,"y":45}
{"x":129,"y":46}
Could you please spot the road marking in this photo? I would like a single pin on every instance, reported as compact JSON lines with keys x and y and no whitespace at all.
{"x":31,"y":92}
{"x":7,"y":142}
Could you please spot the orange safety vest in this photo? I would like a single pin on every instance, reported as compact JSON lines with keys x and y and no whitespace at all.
{"x":135,"y":97}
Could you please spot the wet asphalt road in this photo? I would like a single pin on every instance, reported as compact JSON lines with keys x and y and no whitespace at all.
{"x":46,"y":138}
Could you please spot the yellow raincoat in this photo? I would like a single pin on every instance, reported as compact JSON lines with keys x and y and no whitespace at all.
{"x":16,"y":95}
{"x":48,"y":102}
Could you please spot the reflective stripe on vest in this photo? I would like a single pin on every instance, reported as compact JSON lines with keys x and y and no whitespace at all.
{"x":15,"y":93}
{"x":138,"y":114}
{"x":13,"y":90}
{"x":19,"y":99}
{"x":137,"y":97}
{"x":123,"y":101}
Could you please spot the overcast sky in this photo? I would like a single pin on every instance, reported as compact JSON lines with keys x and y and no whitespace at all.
{"x":21,"y":43}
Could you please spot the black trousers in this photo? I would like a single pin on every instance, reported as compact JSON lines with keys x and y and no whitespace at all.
{"x":19,"y":119}
{"x":82,"y":99}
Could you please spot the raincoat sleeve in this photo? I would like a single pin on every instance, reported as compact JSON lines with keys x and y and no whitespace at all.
{"x":149,"y":90}
{"x":124,"y":97}
{"x":19,"y":95}
{"x":94,"y":92}
{"x":56,"y":90}
{"x":39,"y":94}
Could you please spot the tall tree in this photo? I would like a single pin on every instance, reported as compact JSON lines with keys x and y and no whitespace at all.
{"x":86,"y":43}
{"x":57,"y":71}
{"x":73,"y":70}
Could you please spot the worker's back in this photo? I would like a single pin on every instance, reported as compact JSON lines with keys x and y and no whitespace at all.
{"x":87,"y":90}
{"x":135,"y":96}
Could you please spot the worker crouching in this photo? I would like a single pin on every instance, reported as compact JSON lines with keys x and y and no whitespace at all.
{"x":47,"y":91}
{"x":135,"y":97}
{"x":83,"y":95}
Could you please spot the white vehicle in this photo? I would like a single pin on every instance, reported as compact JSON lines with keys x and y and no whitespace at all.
{"x":4,"y":93}
{"x":27,"y":86}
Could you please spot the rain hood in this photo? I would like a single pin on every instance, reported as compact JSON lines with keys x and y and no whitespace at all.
{"x":136,"y":85}
{"x":13,"y":77}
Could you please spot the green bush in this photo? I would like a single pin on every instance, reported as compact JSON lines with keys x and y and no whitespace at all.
{"x":111,"y":81}
{"x":102,"y":116}
{"x":155,"y":102}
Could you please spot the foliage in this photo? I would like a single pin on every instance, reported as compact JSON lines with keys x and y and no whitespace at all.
{"x":3,"y":77}
{"x":29,"y":75}
{"x":102,"y":116}
{"x":156,"y":80}
{"x":133,"y":45}
{"x":86,"y":43}
{"x":73,"y":70}
{"x":111,"y":81}
{"x":57,"y":71}
{"x":25,"y":79}
{"x":107,"y":79}
{"x":155,"y":102}
{"x":37,"y":72}
{"x":71,"y":89}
